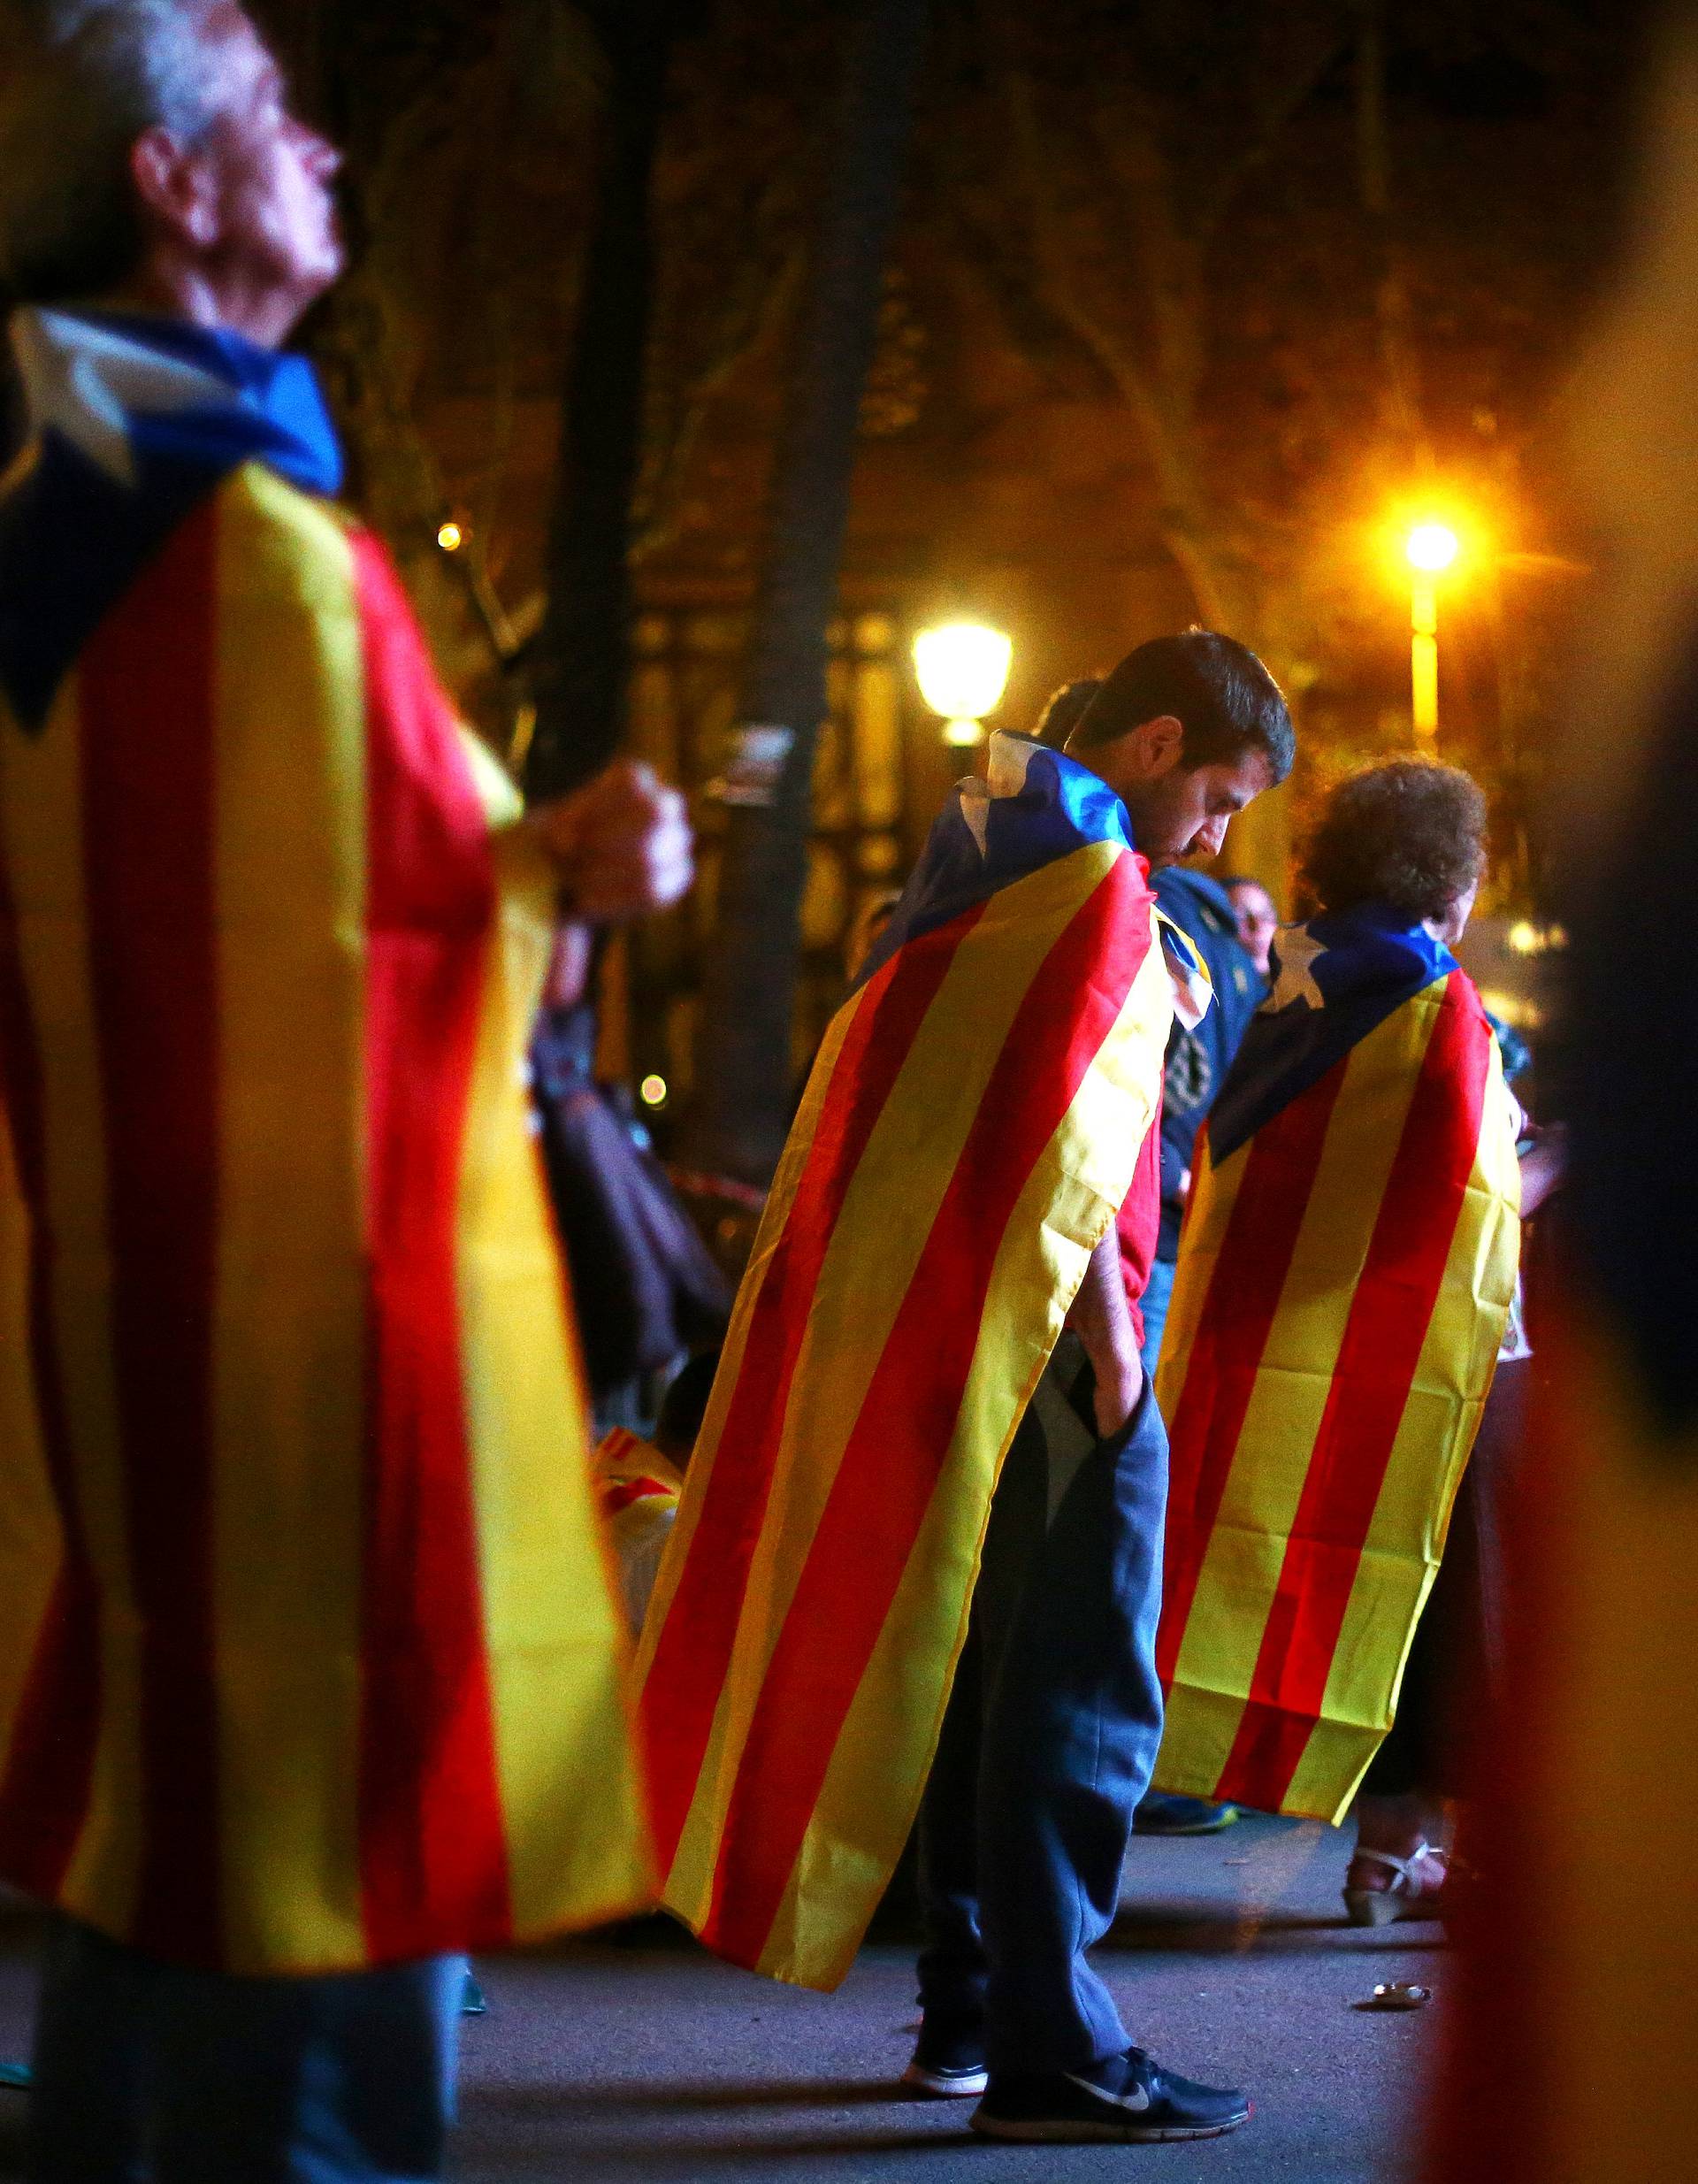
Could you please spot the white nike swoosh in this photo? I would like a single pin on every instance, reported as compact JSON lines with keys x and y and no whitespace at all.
{"x":1136,"y":2100}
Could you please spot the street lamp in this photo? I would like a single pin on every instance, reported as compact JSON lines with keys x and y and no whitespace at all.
{"x":1429,"y":549}
{"x":962,"y":669}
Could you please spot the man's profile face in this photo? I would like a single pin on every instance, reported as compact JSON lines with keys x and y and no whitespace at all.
{"x":276,"y":238}
{"x":1185,"y":813}
{"x":1177,"y":810}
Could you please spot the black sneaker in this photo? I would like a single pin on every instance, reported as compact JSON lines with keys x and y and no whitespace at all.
{"x":948,"y":2062}
{"x":1128,"y":2098}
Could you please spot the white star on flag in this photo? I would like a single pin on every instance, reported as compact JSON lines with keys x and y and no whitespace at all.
{"x":1009,"y":758}
{"x":86,"y":380}
{"x":1298,"y":950}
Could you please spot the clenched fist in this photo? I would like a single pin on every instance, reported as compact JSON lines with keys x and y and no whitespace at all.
{"x":621,"y":844}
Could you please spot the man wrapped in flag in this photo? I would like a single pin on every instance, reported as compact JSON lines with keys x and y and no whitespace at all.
{"x":310,"y":1671}
{"x":843,"y":1606}
{"x":1345,"y":1274}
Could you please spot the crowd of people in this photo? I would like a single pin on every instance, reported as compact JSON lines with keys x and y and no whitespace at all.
{"x":311,"y":1677}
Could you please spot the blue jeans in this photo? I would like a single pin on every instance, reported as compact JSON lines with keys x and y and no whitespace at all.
{"x":149,"y":2073}
{"x":1157,"y":1295}
{"x":1047,"y":1744}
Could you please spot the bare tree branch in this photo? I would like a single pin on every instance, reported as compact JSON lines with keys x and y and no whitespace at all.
{"x":1188,"y":523}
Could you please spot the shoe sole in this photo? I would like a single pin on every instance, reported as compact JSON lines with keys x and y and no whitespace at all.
{"x":1196,"y":1827}
{"x":1379,"y":1907}
{"x":945,"y":2085}
{"x":1062,"y":2132}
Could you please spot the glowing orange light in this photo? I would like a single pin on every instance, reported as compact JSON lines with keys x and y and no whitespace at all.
{"x":1432,"y":547}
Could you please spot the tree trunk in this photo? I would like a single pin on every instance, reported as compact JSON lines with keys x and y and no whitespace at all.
{"x":579,"y":677}
{"x":744,"y":1065}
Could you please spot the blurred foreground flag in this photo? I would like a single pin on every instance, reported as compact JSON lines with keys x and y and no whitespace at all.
{"x":308,"y":1657}
{"x":968,"y":1133}
{"x":1575,"y":2052}
{"x":1345,"y":1275}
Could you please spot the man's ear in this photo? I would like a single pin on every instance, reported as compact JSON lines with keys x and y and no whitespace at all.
{"x":1163,"y":739}
{"x":176,"y":189}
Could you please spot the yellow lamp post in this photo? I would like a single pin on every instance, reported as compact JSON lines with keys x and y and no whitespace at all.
{"x":962,"y":670}
{"x":1429,"y":549}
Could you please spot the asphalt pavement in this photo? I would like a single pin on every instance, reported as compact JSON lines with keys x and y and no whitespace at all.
{"x":642,"y":2059}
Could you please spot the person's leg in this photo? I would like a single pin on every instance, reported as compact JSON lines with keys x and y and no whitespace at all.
{"x":1397,"y":1866}
{"x":389,"y":2055}
{"x":952,"y":1965}
{"x":1451,"y":1690}
{"x":1071,"y":1731}
{"x":1073,"y":1722}
{"x":952,"y":1962}
{"x":86,"y":2099}
{"x":343,"y":2080}
{"x":948,"y":2059}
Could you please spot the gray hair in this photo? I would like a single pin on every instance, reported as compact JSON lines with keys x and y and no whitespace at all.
{"x":79,"y":82}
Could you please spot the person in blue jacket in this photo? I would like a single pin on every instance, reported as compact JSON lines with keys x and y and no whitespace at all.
{"x":1197,"y":1062}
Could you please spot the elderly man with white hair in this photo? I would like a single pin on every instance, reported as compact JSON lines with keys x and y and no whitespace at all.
{"x":310,"y":1675}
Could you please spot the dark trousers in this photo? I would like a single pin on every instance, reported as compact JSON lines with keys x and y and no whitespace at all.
{"x":1453,"y":1681}
{"x":148,"y":2073}
{"x":1047,"y":1744}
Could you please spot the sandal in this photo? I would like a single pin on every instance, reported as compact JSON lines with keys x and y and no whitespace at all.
{"x":1405,"y":1896}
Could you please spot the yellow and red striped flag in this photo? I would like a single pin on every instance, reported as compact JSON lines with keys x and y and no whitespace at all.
{"x":1345,"y":1273}
{"x":308,"y":1657}
{"x":638,"y":1490}
{"x":630,"y":1471}
{"x":968,"y":1135}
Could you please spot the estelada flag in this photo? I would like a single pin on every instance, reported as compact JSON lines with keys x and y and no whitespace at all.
{"x":1345,"y":1273}
{"x":970,"y":1128}
{"x":308,"y":1657}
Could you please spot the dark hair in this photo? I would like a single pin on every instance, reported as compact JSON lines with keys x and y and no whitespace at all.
{"x":1066,"y":707}
{"x":1216,"y":688}
{"x":1411,"y":834}
{"x":685,"y":1406}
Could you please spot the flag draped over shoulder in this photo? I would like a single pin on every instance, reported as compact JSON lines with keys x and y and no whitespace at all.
{"x":970,"y":1130}
{"x":1344,"y":1276}
{"x":308,"y":1659}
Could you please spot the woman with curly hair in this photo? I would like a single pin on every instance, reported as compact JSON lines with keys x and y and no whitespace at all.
{"x":1347,"y":1276}
{"x":1412,"y":835}
{"x":1408,"y":837}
